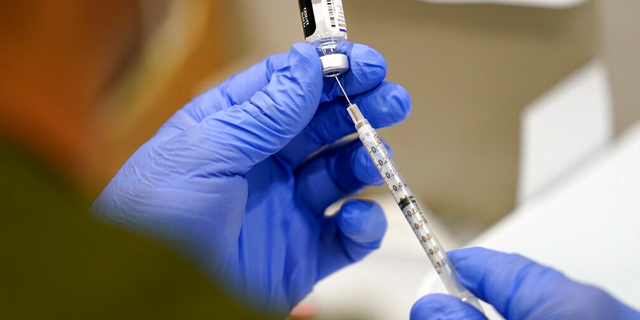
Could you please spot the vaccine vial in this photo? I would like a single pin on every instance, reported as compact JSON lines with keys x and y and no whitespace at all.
{"x":325,"y":28}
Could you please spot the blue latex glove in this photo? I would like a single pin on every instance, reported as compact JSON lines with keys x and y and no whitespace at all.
{"x":519,"y":289}
{"x":235,"y":179}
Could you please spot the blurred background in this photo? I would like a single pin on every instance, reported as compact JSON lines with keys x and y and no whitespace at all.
{"x":510,"y":100}
{"x":471,"y":69}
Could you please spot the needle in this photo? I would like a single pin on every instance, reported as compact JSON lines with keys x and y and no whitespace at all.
{"x":342,"y":88}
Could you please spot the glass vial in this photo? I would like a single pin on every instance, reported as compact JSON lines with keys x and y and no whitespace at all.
{"x":325,"y":28}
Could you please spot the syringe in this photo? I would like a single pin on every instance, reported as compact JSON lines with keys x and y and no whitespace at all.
{"x":408,"y":205}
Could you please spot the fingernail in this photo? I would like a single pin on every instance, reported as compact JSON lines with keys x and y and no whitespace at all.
{"x":362,"y":221}
{"x":365,"y":170}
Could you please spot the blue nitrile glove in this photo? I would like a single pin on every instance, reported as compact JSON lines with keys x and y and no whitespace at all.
{"x":235,"y":179}
{"x":519,"y":289}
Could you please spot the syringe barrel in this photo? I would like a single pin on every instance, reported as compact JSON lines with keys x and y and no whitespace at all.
{"x":410,"y":208}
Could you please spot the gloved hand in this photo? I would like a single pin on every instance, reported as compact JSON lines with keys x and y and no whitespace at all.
{"x":238,"y":178}
{"x":519,"y":289}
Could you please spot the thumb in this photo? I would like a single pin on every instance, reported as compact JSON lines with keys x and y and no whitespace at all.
{"x":355,"y":231}
{"x":444,"y":307}
{"x":233,"y":140}
{"x":519,"y":288}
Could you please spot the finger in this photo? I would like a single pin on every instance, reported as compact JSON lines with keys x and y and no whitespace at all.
{"x":367,"y":70}
{"x":236,"y":90}
{"x":444,"y":307}
{"x":351,"y":234}
{"x":231,"y":141}
{"x":384,"y":106}
{"x":519,"y":288}
{"x":335,"y":173}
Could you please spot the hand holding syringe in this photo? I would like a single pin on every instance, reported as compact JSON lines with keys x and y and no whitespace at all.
{"x":408,"y":205}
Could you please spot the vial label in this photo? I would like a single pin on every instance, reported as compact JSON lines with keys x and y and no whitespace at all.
{"x":335,"y":12}
{"x":322,"y":20}
{"x":308,"y":17}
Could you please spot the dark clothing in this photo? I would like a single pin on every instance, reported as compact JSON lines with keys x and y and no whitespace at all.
{"x":57,"y":261}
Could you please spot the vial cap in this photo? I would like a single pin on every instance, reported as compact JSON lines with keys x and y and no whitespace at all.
{"x":334,"y":64}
